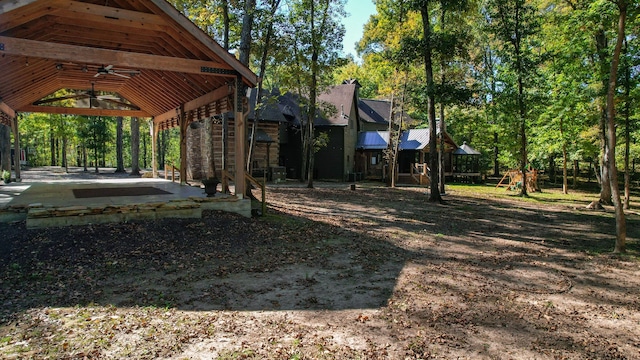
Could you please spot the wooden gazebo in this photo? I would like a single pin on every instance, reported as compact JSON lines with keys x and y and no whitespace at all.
{"x":158,"y":63}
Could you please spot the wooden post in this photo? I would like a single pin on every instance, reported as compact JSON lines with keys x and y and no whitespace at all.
{"x":16,"y":145}
{"x":182,"y":120}
{"x":154,"y":148}
{"x":240,"y":138}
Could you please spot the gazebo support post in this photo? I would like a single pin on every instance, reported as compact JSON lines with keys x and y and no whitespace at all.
{"x":154,"y":148}
{"x":16,"y":146}
{"x":240,"y":139}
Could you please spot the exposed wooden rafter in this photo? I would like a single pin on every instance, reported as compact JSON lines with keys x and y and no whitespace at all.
{"x":7,"y":110}
{"x":83,"y":54}
{"x":84,"y":111}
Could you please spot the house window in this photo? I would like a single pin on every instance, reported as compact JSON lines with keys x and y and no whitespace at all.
{"x":374,"y":160}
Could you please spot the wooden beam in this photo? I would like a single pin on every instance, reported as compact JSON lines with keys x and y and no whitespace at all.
{"x":82,"y":54}
{"x":7,"y":110}
{"x":240,"y":130}
{"x":10,"y":5}
{"x":84,"y":111}
{"x":203,"y":100}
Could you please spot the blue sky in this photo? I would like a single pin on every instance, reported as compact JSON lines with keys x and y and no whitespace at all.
{"x":358,"y":13}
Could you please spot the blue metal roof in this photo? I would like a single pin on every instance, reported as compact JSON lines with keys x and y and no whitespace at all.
{"x":466,"y":150}
{"x":373,"y":140}
{"x":414,"y":139}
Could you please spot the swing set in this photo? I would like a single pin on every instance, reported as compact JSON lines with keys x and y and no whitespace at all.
{"x":515,"y":180}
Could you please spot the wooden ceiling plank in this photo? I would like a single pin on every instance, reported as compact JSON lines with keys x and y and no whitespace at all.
{"x":63,"y":52}
{"x":115,"y":22}
{"x":111,"y":12}
{"x":17,"y":13}
{"x":83,"y":111}
{"x":86,"y":25}
{"x":67,"y":34}
{"x":146,"y":92}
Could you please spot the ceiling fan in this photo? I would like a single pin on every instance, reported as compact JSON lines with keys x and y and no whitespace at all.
{"x":94,"y":99}
{"x":109,"y":70}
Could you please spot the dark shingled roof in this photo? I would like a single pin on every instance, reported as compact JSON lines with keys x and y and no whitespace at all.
{"x":377,"y":111}
{"x":270,"y":107}
{"x":374,"y":111}
{"x":342,"y":98}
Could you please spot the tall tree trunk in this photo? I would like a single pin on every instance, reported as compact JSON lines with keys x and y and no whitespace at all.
{"x":442,"y":127}
{"x":245,"y":54}
{"x":496,"y":164}
{"x":5,"y":147}
{"x":52,"y":142}
{"x":391,"y":148}
{"x":565,"y":181}
{"x":565,"y":175}
{"x":245,"y":35}
{"x":225,"y":119}
{"x":261,"y":74}
{"x":225,"y":22}
{"x":96,"y":147}
{"x":65,"y":164}
{"x":119,"y":146}
{"x":621,"y":226}
{"x":605,"y":182}
{"x":135,"y":146}
{"x":627,"y":134}
{"x":144,"y":151}
{"x":313,"y":94}
{"x":521,"y":107}
{"x":84,"y":157}
{"x":434,"y":193}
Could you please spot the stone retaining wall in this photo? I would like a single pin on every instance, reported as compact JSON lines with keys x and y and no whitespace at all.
{"x":41,"y":216}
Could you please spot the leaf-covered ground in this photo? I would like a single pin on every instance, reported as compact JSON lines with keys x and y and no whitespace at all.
{"x":330,"y":273}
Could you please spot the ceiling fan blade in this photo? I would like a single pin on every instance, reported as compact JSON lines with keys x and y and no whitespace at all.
{"x":108,"y":67}
{"x":131,"y":72}
{"x":97,"y":74}
{"x":66,"y":97}
{"x":107,"y":97}
{"x":120,"y":103}
{"x":121,"y":75}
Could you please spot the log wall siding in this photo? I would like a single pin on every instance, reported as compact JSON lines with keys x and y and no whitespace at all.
{"x":196,"y":160}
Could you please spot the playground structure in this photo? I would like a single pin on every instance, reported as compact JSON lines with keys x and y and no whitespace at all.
{"x":515,"y":180}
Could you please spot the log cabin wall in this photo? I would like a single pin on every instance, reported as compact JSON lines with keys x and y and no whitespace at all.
{"x":196,"y":142}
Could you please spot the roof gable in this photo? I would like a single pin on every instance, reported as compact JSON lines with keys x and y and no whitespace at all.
{"x":49,"y":45}
{"x":342,"y":98}
{"x":418,"y":139}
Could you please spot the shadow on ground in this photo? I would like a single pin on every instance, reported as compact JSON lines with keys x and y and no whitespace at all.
{"x":219,"y":262}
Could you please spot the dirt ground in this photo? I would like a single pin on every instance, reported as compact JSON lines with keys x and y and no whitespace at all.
{"x":330,"y":273}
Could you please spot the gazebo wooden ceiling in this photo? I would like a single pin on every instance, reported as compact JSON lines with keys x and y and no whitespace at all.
{"x":49,"y":45}
{"x":174,"y":72}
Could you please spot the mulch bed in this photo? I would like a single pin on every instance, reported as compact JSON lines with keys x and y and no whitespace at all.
{"x":119,"y":191}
